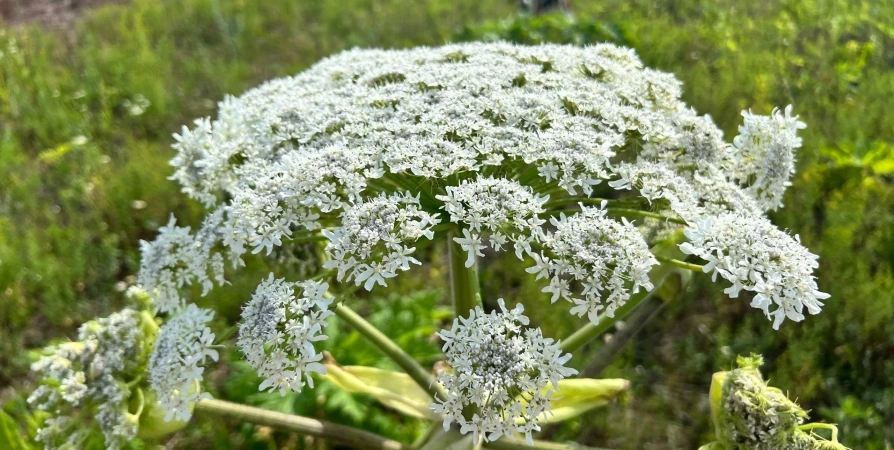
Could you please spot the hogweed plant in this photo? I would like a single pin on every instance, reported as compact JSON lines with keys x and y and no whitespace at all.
{"x":577,"y":163}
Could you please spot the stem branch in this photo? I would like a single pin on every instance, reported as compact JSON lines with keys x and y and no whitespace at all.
{"x":463,"y":280}
{"x":331,"y":431}
{"x":681,"y":264}
{"x":406,"y":362}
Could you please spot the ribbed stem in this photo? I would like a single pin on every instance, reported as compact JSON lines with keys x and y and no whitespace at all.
{"x":333,"y":432}
{"x":464,"y":286}
{"x":406,"y":362}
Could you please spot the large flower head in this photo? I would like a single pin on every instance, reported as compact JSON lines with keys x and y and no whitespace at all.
{"x":95,"y":378}
{"x":502,"y":374}
{"x":373,"y":153}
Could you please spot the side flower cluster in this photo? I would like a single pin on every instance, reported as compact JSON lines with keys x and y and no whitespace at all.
{"x":501,"y":373}
{"x":609,"y":259}
{"x":764,"y":160}
{"x":504,"y":209}
{"x":278,"y":332}
{"x":178,"y":258}
{"x":372,"y":243}
{"x":177,"y":362}
{"x":93,"y":375}
{"x":754,"y":255}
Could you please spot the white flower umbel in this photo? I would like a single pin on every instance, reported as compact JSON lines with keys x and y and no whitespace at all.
{"x":505,"y":209}
{"x":371,"y":149}
{"x":372,"y":242}
{"x":756,"y":256}
{"x":177,"y":258}
{"x":278,"y":332}
{"x":609,"y":259}
{"x":764,"y":160}
{"x":502,"y":374}
{"x":177,"y":361}
{"x":90,"y":378}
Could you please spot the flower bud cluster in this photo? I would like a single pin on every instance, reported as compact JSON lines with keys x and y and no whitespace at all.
{"x":502,"y":374}
{"x":92,"y":378}
{"x":751,"y":415}
{"x":278,"y":331}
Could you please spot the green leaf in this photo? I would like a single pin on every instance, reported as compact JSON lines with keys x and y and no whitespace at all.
{"x":579,"y":395}
{"x":10,"y":435}
{"x":393,"y":389}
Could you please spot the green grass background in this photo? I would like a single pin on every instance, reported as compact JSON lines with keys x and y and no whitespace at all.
{"x":87,"y":112}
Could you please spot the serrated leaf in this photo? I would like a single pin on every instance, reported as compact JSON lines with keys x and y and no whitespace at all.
{"x":393,"y":389}
{"x":579,"y":395}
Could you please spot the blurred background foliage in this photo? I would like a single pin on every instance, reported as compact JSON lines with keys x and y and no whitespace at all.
{"x":87,"y":112}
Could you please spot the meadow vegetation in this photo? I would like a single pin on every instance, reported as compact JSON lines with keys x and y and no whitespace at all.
{"x":86,"y":116}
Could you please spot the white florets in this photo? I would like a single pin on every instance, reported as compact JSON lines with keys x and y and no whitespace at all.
{"x":370,"y":150}
{"x":177,"y":258}
{"x":506,"y":371}
{"x":372,"y":242}
{"x":764,"y":160}
{"x":609,"y":259}
{"x":756,"y":256}
{"x":177,"y":361}
{"x":92,"y":376}
{"x":504,"y":209}
{"x":278,"y":332}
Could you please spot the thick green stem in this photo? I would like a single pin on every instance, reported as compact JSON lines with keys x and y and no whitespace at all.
{"x":590,"y":331}
{"x":406,"y":362}
{"x":638,"y":212}
{"x":588,"y":201}
{"x":681,"y":264}
{"x":333,"y":432}
{"x":464,"y":286}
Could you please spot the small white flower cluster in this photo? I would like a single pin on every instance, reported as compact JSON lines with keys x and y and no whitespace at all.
{"x":177,"y":361}
{"x":502,"y":373}
{"x":372,"y":242}
{"x":92,"y":375}
{"x":656,"y":180}
{"x":764,"y":159}
{"x":609,"y":259}
{"x":278,"y":332}
{"x":756,"y":256}
{"x":507,"y":210}
{"x":177,"y":258}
